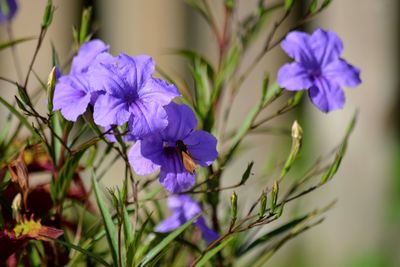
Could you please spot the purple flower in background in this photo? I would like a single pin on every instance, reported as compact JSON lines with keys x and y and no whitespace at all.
{"x":175,"y":150}
{"x":318,"y":67}
{"x":184,"y":209}
{"x":132,"y":94}
{"x":73,"y":92}
{"x":8,"y":9}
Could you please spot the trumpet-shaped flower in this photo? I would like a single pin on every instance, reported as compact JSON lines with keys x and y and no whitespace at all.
{"x":176,"y":150}
{"x":318,"y":67}
{"x":132,"y":95}
{"x":73,"y":92}
{"x":184,"y":209}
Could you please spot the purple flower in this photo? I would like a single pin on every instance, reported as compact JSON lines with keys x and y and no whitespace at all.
{"x":184,"y":209}
{"x":8,"y":9}
{"x":132,"y":94}
{"x":166,"y":150}
{"x":318,"y":67}
{"x":73,"y":92}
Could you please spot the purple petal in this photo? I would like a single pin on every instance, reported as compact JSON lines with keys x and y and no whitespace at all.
{"x":326,"y":45}
{"x":158,"y":89}
{"x":72,"y":96}
{"x":342,"y":73}
{"x":202,"y":147}
{"x":145,"y":156}
{"x":326,"y":96}
{"x":8,"y":9}
{"x":171,"y":223}
{"x":208,"y":234}
{"x":146,"y":118}
{"x":296,"y":45}
{"x":86,"y":55}
{"x":294,"y":76}
{"x":181,"y":121}
{"x":173,"y":176}
{"x":190,"y":207}
{"x":109,"y":110}
{"x":139,"y":69}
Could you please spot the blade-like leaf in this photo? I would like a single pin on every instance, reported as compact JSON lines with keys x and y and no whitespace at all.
{"x":247,"y":173}
{"x":211,"y":253}
{"x":111,"y":232}
{"x":84,"y":251}
{"x":165,"y":242}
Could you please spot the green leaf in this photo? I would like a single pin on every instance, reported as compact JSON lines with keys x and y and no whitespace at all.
{"x":166,"y":241}
{"x":268,"y":236}
{"x":313,"y":7}
{"x":128,"y":231}
{"x":252,"y":26}
{"x":67,"y":172}
{"x":48,"y":14}
{"x":16,"y":41}
{"x":111,"y":232}
{"x":333,"y":168}
{"x":84,"y":251}
{"x":211,"y":253}
{"x":20,"y":117}
{"x":289,"y":4}
{"x":85,"y":25}
{"x":269,"y":93}
{"x":246,"y":173}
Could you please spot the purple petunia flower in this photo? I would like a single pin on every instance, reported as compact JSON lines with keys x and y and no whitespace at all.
{"x":73,"y":92}
{"x":184,"y":209}
{"x":8,"y":9}
{"x":131,"y":94}
{"x":318,"y":67}
{"x":165,"y":151}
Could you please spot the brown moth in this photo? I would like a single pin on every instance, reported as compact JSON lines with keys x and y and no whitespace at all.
{"x":188,"y":162}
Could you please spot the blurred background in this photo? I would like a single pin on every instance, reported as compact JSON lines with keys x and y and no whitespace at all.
{"x":364,"y":227}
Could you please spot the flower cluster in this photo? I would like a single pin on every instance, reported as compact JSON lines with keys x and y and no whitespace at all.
{"x":122,"y":91}
{"x":318,"y":68}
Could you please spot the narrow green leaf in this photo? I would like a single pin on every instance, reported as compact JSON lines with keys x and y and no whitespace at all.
{"x":333,"y":168}
{"x":247,"y":173}
{"x":313,"y":7}
{"x":270,"y":92}
{"x":166,"y":241}
{"x":16,"y":41}
{"x":207,"y":256}
{"x":111,"y":232}
{"x":128,"y":231}
{"x":20,"y":117}
{"x":289,"y":4}
{"x":84,"y":251}
{"x":268,"y":236}
{"x":48,"y":14}
{"x":85,"y":24}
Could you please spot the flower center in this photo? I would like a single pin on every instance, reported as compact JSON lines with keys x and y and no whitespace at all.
{"x":315,"y":73}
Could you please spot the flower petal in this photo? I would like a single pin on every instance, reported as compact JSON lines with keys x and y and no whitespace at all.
{"x":139,"y":69}
{"x":202,"y":147}
{"x":181,"y":121}
{"x":294,"y":76}
{"x":86,"y":55}
{"x":173,"y":176}
{"x":296,"y":45}
{"x":326,"y":45}
{"x":72,"y":96}
{"x":326,"y":96}
{"x":208,"y":234}
{"x":146,"y":118}
{"x":145,"y":156}
{"x":342,"y":73}
{"x":109,"y":110}
{"x":159,"y":90}
{"x":171,"y":223}
{"x":8,"y":9}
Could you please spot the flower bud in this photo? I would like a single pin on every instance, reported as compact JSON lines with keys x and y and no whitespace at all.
{"x":233,"y":207}
{"x":274,"y":197}
{"x":51,"y":84}
{"x":263,"y":205}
